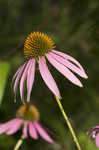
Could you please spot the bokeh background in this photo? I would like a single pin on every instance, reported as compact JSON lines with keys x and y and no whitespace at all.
{"x":74,"y":26}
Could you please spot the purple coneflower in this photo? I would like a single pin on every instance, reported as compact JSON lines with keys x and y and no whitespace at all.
{"x":37,"y":48}
{"x":28,"y":116}
{"x":95,"y":134}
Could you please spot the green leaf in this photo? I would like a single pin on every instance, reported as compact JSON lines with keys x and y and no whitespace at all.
{"x":4,"y":70}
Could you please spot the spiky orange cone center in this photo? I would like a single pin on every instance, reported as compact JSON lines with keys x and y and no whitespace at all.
{"x":28,"y":112}
{"x":37,"y":44}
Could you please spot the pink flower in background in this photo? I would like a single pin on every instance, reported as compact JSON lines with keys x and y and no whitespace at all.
{"x":28,"y":117}
{"x":95,"y":134}
{"x":32,"y":127}
{"x":39,"y":46}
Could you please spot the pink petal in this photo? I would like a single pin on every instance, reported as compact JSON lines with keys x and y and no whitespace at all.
{"x":14,"y":127}
{"x":30,"y":78}
{"x":97,"y":140}
{"x":7,"y":123}
{"x":32,"y":131}
{"x":43,"y":133}
{"x":68,"y":64}
{"x":17,"y":72}
{"x":96,"y":127}
{"x":70,"y":58}
{"x":23,"y":78}
{"x":47,"y":77}
{"x":25,"y":128}
{"x":5,"y":126}
{"x":65,"y":71}
{"x":17,"y":76}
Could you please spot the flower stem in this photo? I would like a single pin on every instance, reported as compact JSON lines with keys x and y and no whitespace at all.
{"x":68,"y":123}
{"x":19,"y":143}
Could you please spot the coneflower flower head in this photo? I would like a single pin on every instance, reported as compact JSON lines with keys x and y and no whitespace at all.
{"x":28,"y":116}
{"x":38,"y":47}
{"x":94,"y":133}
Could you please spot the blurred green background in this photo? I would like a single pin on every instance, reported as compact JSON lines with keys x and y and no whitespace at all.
{"x":74,"y":26}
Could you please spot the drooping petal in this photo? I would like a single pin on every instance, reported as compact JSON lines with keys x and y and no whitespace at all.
{"x":30,"y":78}
{"x":69,"y":65}
{"x":32,"y":131}
{"x":71,"y":59}
{"x":97,"y":140}
{"x":25,"y":129}
{"x":17,"y":72}
{"x":47,"y":77}
{"x":43,"y":133}
{"x":15,"y":127}
{"x":23,"y":78}
{"x":5,"y":126}
{"x":65,"y":71}
{"x":18,"y":76}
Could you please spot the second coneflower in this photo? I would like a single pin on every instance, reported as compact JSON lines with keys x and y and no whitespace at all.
{"x":37,"y":48}
{"x":28,"y":117}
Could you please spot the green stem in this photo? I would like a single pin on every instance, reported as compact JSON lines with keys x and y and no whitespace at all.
{"x":19,"y":143}
{"x":68,"y":123}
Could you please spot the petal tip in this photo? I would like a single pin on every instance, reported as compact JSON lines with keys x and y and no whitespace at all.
{"x":85,"y":76}
{"x":80,"y":85}
{"x":52,"y":141}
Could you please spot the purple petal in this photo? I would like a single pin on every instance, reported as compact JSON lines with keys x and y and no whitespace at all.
{"x":23,"y":78}
{"x":97,"y":140}
{"x":5,"y":126}
{"x":17,"y":76}
{"x":14,"y":127}
{"x":65,"y":71}
{"x":25,"y":128}
{"x":32,"y":131}
{"x":47,"y":77}
{"x":30,"y":78}
{"x":68,"y":64}
{"x":70,"y":58}
{"x":43,"y":133}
